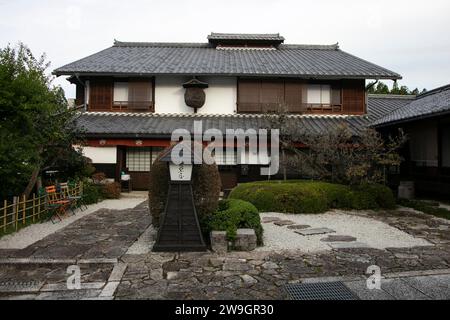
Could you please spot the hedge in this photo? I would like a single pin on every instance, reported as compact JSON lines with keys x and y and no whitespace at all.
{"x":428,"y":207}
{"x":231,"y":215}
{"x":299,"y":196}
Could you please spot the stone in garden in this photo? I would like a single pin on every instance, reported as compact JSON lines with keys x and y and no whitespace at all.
{"x":156,"y":274}
{"x":270,"y":265}
{"x":219,"y":242}
{"x":348,"y":245}
{"x":336,"y":238}
{"x":236,"y":266}
{"x":406,"y":256}
{"x":248,"y":279}
{"x":216,"y":262}
{"x":172,"y":275}
{"x":245,"y":240}
{"x":284,"y":223}
{"x":270,"y":219}
{"x":314,"y":231}
{"x":298,"y":226}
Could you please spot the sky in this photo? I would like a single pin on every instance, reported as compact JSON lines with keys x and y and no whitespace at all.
{"x":410,"y":37}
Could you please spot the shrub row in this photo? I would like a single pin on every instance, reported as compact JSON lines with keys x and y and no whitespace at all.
{"x":231,"y":215}
{"x":426,"y":207}
{"x":298,"y":196}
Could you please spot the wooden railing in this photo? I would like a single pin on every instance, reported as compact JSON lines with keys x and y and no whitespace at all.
{"x":132,"y":106}
{"x":303,"y":108}
{"x":22,"y":211}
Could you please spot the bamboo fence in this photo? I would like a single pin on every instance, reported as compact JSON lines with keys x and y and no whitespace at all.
{"x":22,"y":211}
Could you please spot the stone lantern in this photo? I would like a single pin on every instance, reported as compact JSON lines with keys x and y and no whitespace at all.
{"x":195,"y":96}
{"x":179,"y":229}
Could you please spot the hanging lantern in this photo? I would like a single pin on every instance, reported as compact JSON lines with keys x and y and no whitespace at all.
{"x":194,"y":96}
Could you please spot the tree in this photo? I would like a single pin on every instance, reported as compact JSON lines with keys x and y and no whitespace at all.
{"x":379,"y":88}
{"x":37,"y":130}
{"x":336,"y":154}
{"x":382,"y":88}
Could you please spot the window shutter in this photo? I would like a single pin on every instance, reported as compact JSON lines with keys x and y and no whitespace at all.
{"x":140,"y":94}
{"x":100,"y":94}
{"x":293,"y":96}
{"x":272,"y":95}
{"x":249,"y":96}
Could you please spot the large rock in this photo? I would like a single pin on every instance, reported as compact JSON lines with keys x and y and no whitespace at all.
{"x":219,"y":242}
{"x":245,"y":240}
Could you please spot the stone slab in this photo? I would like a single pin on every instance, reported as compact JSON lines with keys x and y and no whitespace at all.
{"x":401,"y":290}
{"x":314,"y":231}
{"x":245,"y":232}
{"x":360,"y":289}
{"x":117,"y":272}
{"x":51,"y":287}
{"x":337,"y":238}
{"x":109,"y":289}
{"x":282,"y":223}
{"x":298,"y":226}
{"x":270,"y":219}
{"x":437,"y":286}
{"x":348,"y":245}
{"x":18,"y":286}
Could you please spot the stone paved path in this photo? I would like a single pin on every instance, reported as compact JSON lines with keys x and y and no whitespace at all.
{"x":108,"y":234}
{"x":103,"y":234}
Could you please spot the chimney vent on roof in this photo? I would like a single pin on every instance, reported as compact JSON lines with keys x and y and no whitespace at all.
{"x":245,"y":39}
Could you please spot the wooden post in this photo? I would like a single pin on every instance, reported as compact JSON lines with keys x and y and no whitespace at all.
{"x":24,"y":208}
{"x":5,"y":211}
{"x":16,"y":212}
{"x":39,"y":207}
{"x":34,"y":206}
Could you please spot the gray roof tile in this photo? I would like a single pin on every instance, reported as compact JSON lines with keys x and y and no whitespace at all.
{"x":429,"y":104}
{"x":302,"y":61}
{"x":382,"y":104}
{"x":147,"y":125}
{"x":245,"y":36}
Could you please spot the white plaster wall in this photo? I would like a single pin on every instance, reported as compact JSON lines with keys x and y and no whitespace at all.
{"x":101,"y":154}
{"x":220,"y":96}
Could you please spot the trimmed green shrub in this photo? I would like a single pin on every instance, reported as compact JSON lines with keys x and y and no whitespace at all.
{"x":297,"y":196}
{"x":231,"y":215}
{"x":91,"y":193}
{"x":206,"y":186}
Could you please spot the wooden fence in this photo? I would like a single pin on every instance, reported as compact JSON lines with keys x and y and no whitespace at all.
{"x":22,"y":211}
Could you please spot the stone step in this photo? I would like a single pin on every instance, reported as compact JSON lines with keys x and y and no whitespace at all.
{"x":314,"y":231}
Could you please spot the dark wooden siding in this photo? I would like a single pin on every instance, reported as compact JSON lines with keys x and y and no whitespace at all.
{"x":353,"y":97}
{"x":100,"y":94}
{"x":258,"y":96}
{"x":79,"y":96}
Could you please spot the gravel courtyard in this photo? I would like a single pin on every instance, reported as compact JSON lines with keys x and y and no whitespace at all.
{"x":112,"y":249}
{"x":365,"y":231}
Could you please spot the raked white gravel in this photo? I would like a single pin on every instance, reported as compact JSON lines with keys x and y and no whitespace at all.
{"x":33,"y":233}
{"x":375,"y":234}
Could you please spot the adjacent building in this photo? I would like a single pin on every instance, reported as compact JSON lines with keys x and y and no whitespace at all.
{"x":426,"y":121}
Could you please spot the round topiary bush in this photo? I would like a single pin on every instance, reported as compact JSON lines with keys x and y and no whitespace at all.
{"x":206,"y":187}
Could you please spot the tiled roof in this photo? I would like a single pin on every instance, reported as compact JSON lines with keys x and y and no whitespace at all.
{"x":301,"y":61}
{"x":429,"y":104}
{"x":380,"y":105}
{"x":149,"y":125}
